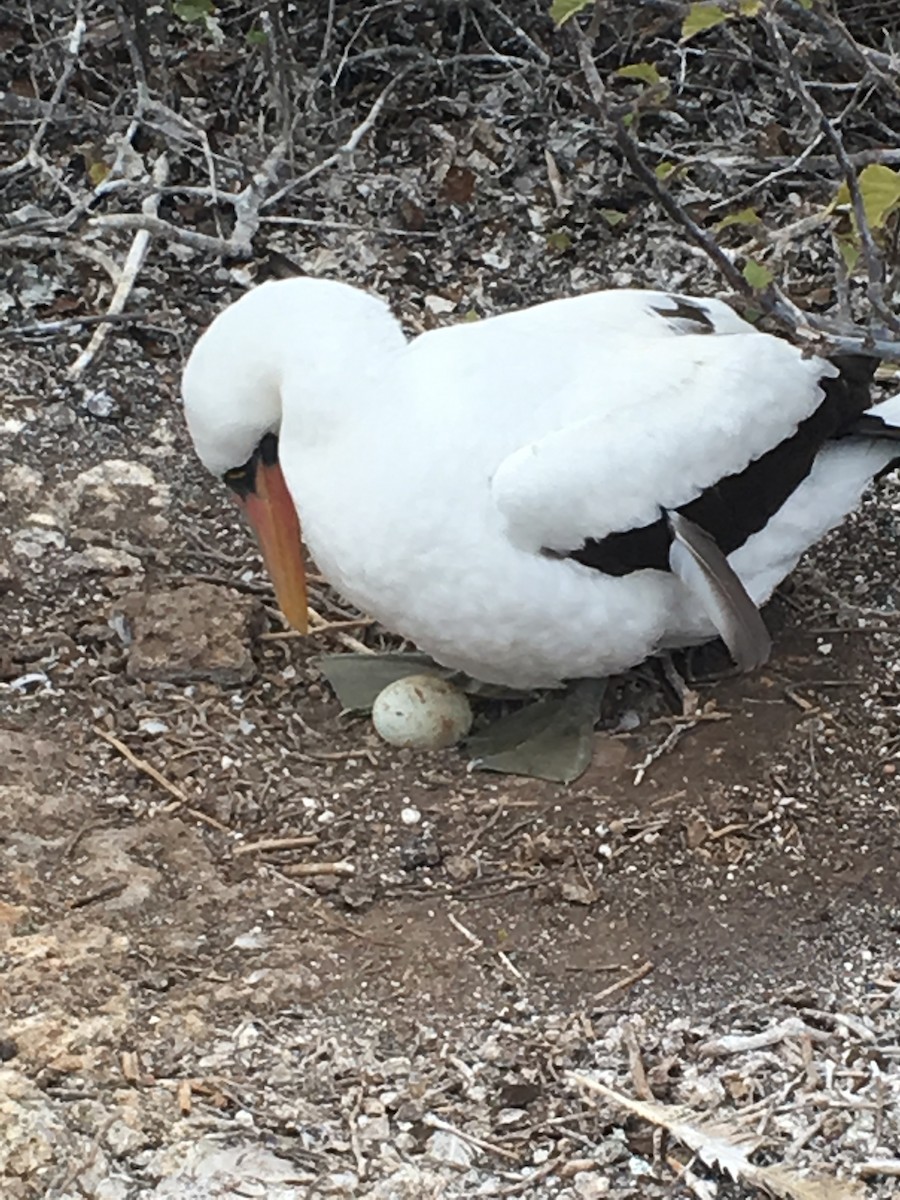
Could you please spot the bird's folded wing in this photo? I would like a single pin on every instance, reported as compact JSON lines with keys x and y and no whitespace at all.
{"x":661,"y":431}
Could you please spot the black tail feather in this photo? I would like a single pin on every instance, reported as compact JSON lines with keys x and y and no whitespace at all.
{"x":869,"y":425}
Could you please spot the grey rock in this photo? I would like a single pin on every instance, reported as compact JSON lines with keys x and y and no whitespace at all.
{"x":446,"y":1147}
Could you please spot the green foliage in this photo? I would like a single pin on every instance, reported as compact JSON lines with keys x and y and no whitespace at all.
{"x":97,"y":172}
{"x":665,"y":170}
{"x":848,"y":245}
{"x":193,"y":11}
{"x":612,"y":216}
{"x":757,"y":275}
{"x":744,"y":216}
{"x":653,"y":88}
{"x":562,"y":10}
{"x":646,"y":72}
{"x":257,"y":37}
{"x":559,"y":241}
{"x":879,"y":187}
{"x":701,"y":16}
{"x":704,"y":15}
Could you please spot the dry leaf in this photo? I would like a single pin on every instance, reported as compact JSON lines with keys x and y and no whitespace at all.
{"x":724,"y":1145}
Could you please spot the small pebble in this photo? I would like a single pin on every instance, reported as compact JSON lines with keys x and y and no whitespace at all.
{"x":422,"y":851}
{"x":152,"y":726}
{"x":101,"y":404}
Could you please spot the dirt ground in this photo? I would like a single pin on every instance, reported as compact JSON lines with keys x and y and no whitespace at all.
{"x":249,"y":950}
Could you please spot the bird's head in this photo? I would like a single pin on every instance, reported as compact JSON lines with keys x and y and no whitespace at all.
{"x":232,"y":390}
{"x":286,"y":366}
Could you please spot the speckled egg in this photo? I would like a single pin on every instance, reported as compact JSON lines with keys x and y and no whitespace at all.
{"x":421,"y":712}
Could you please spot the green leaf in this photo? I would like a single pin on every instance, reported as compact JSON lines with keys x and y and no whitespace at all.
{"x":612,"y":216}
{"x":848,"y":245}
{"x":757,"y":275}
{"x":646,"y":72}
{"x":705,"y":15}
{"x":701,"y":16}
{"x":558,"y":240}
{"x":807,"y":4}
{"x":257,"y":37}
{"x":665,"y":170}
{"x":562,"y":10}
{"x":880,"y":189}
{"x":97,"y":172}
{"x":744,"y":216}
{"x":193,"y":10}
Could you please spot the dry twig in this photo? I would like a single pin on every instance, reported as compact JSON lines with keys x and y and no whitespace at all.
{"x":622,"y":985}
{"x":32,"y":157}
{"x":265,"y":845}
{"x":871,"y":253}
{"x":130,"y":271}
{"x":304,"y":870}
{"x":480,"y":1143}
{"x":140,"y":764}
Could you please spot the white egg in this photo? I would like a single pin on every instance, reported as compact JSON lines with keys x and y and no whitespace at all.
{"x":421,"y":712}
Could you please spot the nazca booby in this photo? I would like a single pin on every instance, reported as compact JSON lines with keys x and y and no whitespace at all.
{"x":554,"y":493}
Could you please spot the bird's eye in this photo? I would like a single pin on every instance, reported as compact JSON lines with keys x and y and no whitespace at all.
{"x":239,"y":479}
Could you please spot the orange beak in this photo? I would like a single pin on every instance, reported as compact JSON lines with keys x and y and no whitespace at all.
{"x":271,"y":513}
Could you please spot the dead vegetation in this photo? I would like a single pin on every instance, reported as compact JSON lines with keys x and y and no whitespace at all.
{"x":246,"y":949}
{"x":218,"y":132}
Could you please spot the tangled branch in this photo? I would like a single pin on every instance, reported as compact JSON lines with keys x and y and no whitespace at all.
{"x":827,"y":337}
{"x":322,"y":115}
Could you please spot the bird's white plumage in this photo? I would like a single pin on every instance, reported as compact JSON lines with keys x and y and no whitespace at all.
{"x":429,"y":475}
{"x":666,"y":427}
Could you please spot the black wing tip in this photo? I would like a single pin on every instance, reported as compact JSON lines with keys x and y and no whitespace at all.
{"x":856,"y":370}
{"x":685,"y":315}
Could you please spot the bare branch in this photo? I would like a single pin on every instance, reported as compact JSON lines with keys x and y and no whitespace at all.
{"x":247,"y":204}
{"x":278,"y":61}
{"x":161,"y":228}
{"x":133,"y":28}
{"x":42,"y":329}
{"x":319,"y":68}
{"x":347,"y":149}
{"x":31,"y":157}
{"x":130,"y":270}
{"x":647,"y":175}
{"x":884,"y":67}
{"x":542,"y":57}
{"x":871,"y":254}
{"x":818,"y":335}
